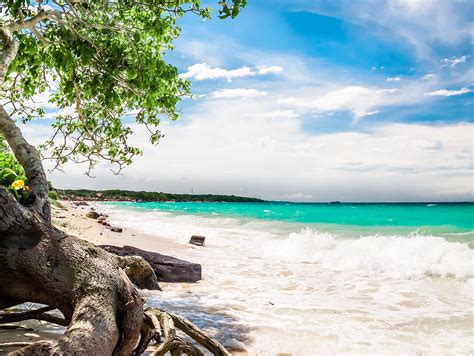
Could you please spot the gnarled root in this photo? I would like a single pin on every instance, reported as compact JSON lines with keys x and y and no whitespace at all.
{"x":37,"y":314}
{"x":139,"y":272}
{"x":157,"y":323}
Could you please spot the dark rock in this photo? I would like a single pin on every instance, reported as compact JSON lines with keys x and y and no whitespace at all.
{"x":92,"y":214}
{"x":197,"y":240}
{"x":167,"y":268}
{"x":116,"y":229}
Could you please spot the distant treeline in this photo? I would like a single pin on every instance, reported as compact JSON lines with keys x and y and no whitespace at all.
{"x":128,"y":195}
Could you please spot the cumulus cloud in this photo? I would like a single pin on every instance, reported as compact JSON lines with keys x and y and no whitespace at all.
{"x":237,"y":93}
{"x":454,"y":61}
{"x":203,"y":71}
{"x":446,"y":92}
{"x":393,"y":79}
{"x":359,"y":100}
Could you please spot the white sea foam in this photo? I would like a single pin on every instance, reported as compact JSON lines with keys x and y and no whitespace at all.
{"x":414,"y":256}
{"x":276,"y":287}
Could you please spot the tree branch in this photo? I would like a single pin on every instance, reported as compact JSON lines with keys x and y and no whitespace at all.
{"x":31,"y":22}
{"x":9,"y":51}
{"x":29,"y":158}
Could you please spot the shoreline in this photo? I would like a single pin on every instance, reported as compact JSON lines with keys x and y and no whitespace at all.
{"x":72,"y":219}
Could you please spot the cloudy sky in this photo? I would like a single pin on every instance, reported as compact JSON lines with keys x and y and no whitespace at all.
{"x":309,"y":100}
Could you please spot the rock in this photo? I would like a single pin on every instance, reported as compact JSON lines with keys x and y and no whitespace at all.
{"x":197,"y":240}
{"x":116,"y":229}
{"x":80,"y":203}
{"x":101,"y":218}
{"x":167,"y":268}
{"x":92,"y":214}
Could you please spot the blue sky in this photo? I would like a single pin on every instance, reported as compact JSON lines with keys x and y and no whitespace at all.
{"x":310,"y":100}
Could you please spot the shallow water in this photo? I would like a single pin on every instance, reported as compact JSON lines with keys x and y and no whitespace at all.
{"x":322,"y":282}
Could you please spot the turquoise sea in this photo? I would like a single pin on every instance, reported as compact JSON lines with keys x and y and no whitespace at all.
{"x":320,"y":279}
{"x":454,"y":221}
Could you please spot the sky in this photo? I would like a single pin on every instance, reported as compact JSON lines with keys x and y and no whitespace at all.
{"x":309,"y":100}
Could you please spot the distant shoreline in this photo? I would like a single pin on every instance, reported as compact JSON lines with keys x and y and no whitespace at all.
{"x":145,"y":197}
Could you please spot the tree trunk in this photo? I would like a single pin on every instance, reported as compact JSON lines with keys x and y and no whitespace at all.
{"x":81,"y":280}
{"x":41,"y":264}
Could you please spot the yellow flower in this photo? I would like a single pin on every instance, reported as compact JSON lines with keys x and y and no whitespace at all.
{"x":18,"y":184}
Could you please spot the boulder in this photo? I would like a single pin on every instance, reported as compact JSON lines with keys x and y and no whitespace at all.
{"x":167,"y":268}
{"x":93,"y":214}
{"x":197,"y":240}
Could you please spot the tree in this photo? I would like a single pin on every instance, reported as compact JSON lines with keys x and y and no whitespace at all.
{"x":101,"y":60}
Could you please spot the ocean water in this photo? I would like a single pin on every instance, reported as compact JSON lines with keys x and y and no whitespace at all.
{"x":328,"y":279}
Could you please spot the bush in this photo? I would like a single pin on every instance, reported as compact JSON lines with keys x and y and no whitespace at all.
{"x":53,"y":195}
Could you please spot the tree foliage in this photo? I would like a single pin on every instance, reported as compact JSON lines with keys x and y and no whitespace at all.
{"x":101,"y":61}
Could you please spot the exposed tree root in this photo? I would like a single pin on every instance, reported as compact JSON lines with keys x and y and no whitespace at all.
{"x":139,"y":272}
{"x":38,"y":314}
{"x":159,"y":323}
{"x":7,"y":345}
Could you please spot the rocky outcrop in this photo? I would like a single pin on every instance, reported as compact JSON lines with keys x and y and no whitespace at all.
{"x":167,"y":268}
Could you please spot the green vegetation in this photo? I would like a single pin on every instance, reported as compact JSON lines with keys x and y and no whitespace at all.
{"x":128,"y":195}
{"x":107,"y":61}
{"x":12,"y":174}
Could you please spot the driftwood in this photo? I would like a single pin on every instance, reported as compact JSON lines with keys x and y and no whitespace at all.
{"x":197,"y":240}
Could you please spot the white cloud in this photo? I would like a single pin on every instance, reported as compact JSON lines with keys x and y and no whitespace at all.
{"x":454,"y":61}
{"x":271,"y":69}
{"x":446,"y":92}
{"x":237,"y":93}
{"x":256,"y":148}
{"x":276,"y":114}
{"x":429,"y":76}
{"x":393,"y":79}
{"x":359,"y":100}
{"x":203,"y":71}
